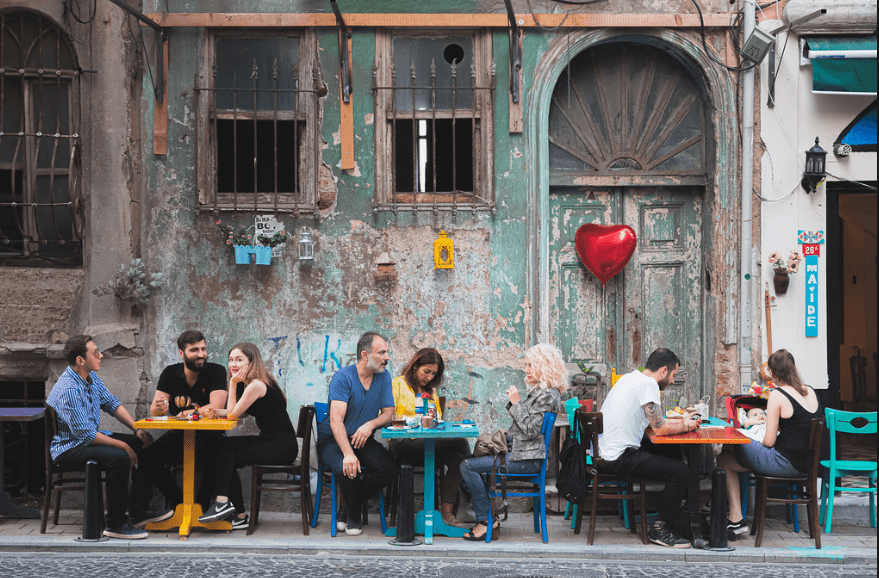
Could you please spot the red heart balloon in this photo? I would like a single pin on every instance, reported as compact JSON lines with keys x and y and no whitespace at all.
{"x":605,"y":249}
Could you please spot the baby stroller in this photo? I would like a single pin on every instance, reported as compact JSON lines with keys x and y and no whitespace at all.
{"x":736,"y":408}
{"x":738,"y":405}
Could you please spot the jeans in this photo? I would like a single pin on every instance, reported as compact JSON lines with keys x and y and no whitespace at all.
{"x":654,"y":463}
{"x":377,"y":470}
{"x":168,"y":449}
{"x":239,"y":451}
{"x":471,"y":474}
{"x":116,"y":465}
{"x":765,"y":461}
{"x":449,"y":452}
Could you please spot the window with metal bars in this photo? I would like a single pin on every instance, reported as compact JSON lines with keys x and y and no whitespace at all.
{"x":39,"y":143}
{"x":434,"y":144}
{"x":260,"y":119}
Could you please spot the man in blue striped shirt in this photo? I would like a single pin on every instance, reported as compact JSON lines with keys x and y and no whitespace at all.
{"x":78,"y":398}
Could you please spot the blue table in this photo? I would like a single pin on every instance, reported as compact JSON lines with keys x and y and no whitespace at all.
{"x":430,"y":522}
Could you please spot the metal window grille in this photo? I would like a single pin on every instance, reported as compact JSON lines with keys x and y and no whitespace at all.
{"x":39,"y":143}
{"x":258,"y":115}
{"x":436,"y":120}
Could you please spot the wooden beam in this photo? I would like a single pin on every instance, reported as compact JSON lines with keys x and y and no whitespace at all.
{"x":346,"y":126}
{"x":294,"y":20}
{"x":160,"y":110}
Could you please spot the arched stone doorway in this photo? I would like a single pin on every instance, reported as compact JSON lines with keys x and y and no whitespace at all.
{"x":628,"y":140}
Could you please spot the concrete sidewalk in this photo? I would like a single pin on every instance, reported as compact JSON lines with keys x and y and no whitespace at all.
{"x":282,"y":533}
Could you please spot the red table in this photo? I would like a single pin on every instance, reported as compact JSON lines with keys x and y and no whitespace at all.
{"x":694,"y":441}
{"x":20,"y":414}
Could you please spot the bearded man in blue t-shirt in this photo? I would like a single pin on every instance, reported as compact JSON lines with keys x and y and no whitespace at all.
{"x":361,"y":401}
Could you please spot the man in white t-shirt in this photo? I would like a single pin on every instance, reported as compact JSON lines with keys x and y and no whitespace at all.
{"x":631,"y":406}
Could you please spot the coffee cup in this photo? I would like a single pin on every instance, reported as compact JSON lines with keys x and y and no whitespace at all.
{"x":427,"y":422}
{"x":399,"y":421}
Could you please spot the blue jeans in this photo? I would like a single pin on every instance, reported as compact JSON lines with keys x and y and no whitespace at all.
{"x":765,"y":461}
{"x":471,"y":475}
{"x":377,"y":470}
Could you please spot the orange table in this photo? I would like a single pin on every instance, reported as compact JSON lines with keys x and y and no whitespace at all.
{"x":187,"y":514}
{"x":694,"y":441}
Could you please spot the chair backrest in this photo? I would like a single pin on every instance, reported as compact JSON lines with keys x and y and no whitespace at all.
{"x":442,"y":404}
{"x":591,"y":424}
{"x":303,"y":430}
{"x":548,"y":423}
{"x":854,"y":422}
{"x":50,"y":419}
{"x":815,"y":447}
{"x":320,"y":411}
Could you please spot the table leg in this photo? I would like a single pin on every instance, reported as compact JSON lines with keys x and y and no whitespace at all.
{"x":694,"y":460}
{"x":186,"y":515}
{"x":7,"y":506}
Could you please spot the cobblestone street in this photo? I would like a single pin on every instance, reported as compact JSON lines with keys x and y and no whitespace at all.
{"x":336,"y":565}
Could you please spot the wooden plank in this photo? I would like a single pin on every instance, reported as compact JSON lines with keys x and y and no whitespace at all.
{"x":160,"y":110}
{"x":346,"y":111}
{"x":271,"y":20}
{"x":516,"y":122}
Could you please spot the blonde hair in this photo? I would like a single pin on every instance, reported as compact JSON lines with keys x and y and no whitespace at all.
{"x":547,"y":363}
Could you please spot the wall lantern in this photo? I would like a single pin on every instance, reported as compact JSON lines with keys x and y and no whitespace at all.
{"x":443,"y":252}
{"x":814,"y":173}
{"x":306,"y":246}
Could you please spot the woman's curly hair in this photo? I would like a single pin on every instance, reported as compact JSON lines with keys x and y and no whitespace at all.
{"x":547,"y":363}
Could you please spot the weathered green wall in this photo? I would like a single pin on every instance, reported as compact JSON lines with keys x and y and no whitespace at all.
{"x":306,"y":318}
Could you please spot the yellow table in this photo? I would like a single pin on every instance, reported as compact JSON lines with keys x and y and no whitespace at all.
{"x":187,"y":514}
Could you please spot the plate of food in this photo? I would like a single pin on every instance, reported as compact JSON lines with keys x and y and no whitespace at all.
{"x":676,"y":413}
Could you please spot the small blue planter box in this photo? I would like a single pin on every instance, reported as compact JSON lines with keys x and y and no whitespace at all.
{"x":263,"y":255}
{"x":242,"y":254}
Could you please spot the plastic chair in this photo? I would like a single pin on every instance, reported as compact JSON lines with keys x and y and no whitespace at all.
{"x":591,"y":425}
{"x":535,"y":488}
{"x":805,"y":488}
{"x":56,"y":482}
{"x":844,"y":422}
{"x":288,"y":483}
{"x":327,"y":479}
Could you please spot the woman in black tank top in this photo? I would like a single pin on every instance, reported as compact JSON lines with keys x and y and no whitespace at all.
{"x":252,"y":390}
{"x":784,"y":450}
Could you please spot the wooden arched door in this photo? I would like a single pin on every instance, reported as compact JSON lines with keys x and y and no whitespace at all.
{"x":627,"y":145}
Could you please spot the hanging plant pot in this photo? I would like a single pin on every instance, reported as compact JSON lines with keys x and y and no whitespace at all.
{"x":263,"y":255}
{"x":242,"y":254}
{"x":781,"y":281}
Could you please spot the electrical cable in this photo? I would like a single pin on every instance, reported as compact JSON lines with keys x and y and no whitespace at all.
{"x":69,"y":8}
{"x":765,"y":200}
{"x":580,"y":3}
{"x":541,"y":26}
{"x":705,"y":45}
{"x":865,"y":185}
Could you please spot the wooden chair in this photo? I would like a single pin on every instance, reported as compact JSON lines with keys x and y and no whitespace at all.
{"x":287,"y":483}
{"x":854,"y":423}
{"x":606,"y":486}
{"x":804,"y":490}
{"x":57,"y":479}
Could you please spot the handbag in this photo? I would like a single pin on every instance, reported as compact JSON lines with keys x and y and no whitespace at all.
{"x":495,"y":444}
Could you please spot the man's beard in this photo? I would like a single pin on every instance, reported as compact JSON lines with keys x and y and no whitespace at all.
{"x":664,"y":384}
{"x":374,"y":366}
{"x":191,"y":364}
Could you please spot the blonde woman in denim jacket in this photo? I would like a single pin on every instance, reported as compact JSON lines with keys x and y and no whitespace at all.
{"x":545,"y":377}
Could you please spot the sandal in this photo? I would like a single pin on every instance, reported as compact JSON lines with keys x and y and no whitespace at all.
{"x":472,"y":537}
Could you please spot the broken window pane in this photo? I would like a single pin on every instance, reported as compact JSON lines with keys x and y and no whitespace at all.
{"x":442,"y":52}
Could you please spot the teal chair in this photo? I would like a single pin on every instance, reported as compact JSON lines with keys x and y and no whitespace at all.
{"x":853,"y":423}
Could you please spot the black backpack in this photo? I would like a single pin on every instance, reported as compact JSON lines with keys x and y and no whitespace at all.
{"x":571,"y":480}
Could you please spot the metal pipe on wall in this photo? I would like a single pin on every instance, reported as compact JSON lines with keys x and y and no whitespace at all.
{"x":747,"y":258}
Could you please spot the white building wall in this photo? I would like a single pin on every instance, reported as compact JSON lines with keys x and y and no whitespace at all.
{"x":787,"y":131}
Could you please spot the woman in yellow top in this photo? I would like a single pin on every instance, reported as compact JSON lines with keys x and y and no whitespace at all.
{"x":424,"y":374}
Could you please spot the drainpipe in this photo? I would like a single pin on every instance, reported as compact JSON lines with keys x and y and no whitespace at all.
{"x":745,"y":354}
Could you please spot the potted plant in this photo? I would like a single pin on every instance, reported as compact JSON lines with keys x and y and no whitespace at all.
{"x":783,"y":269}
{"x":241,"y":241}
{"x":132,"y":283}
{"x":266,"y":244}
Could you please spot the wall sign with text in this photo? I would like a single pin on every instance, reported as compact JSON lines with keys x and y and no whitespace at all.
{"x":811,"y":242}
